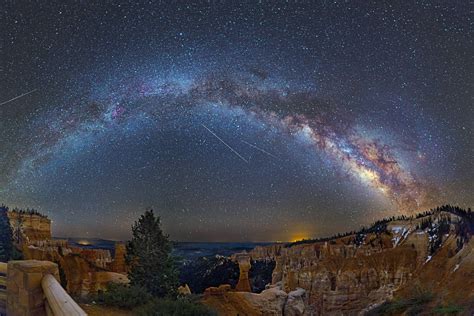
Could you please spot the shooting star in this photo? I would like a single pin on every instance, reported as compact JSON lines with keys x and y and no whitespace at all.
{"x":19,"y":96}
{"x":260,"y":149}
{"x":222,"y":141}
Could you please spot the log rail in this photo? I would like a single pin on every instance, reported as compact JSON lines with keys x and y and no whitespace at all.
{"x":3,"y":288}
{"x":31,"y":287}
{"x":58,"y":302}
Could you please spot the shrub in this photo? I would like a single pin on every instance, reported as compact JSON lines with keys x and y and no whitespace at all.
{"x":449,"y":310}
{"x":124,"y":296}
{"x":179,"y":307}
{"x":412,"y":306}
{"x":142,"y":303}
{"x":16,"y":254}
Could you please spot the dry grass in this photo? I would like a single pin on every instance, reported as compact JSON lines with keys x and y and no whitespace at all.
{"x":100,"y":310}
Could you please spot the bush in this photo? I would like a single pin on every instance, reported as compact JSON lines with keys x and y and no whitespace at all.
{"x":179,"y":307}
{"x":412,"y":306}
{"x":124,"y":296}
{"x":142,"y":303}
{"x":448,"y":310}
{"x":16,"y":254}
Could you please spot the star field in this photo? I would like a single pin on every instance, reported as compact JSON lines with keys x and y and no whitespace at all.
{"x":234,"y":121}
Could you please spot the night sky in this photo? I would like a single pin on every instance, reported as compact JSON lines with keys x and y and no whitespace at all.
{"x":235,"y":121}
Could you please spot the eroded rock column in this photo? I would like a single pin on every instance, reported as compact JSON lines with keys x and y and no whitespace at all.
{"x":25,"y":295}
{"x":119,"y":265}
{"x":277,"y":273}
{"x":243,"y":260}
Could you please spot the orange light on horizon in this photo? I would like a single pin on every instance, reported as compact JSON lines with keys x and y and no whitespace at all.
{"x":84,"y":242}
{"x":299,"y":237}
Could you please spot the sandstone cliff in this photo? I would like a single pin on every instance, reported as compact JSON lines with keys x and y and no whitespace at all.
{"x":353,"y":274}
{"x":31,"y":226}
{"x":85,"y":271}
{"x":272,"y":301}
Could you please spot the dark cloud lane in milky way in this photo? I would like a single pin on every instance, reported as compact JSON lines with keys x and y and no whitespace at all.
{"x":234,"y":121}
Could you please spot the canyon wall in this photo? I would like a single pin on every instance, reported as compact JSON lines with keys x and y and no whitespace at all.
{"x":34,"y":227}
{"x":84,"y":271}
{"x":353,"y":274}
{"x":118,"y":264}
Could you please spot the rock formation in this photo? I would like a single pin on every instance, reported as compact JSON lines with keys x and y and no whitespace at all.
{"x":243,"y":259}
{"x":32,"y":227}
{"x":353,"y":274}
{"x":118,"y":264}
{"x":272,"y":301}
{"x":184,"y":290}
{"x":85,"y":271}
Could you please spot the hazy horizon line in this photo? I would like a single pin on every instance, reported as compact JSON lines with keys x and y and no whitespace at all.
{"x":183,"y":241}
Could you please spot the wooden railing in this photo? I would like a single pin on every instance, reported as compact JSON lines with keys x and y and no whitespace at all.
{"x":3,"y":288}
{"x":56,"y":303}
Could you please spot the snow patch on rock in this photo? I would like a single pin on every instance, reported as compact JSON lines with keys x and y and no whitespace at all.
{"x":456,"y":267}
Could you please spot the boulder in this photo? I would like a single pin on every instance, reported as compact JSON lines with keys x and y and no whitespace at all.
{"x":233,"y":303}
{"x":184,"y":290}
{"x":295,"y":305}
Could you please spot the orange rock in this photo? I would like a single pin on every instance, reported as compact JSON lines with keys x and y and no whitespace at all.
{"x":272,"y":301}
{"x":184,"y":290}
{"x":342,"y":277}
{"x":86,"y":271}
{"x":243,"y":259}
{"x":118,"y":264}
{"x":33,"y":227}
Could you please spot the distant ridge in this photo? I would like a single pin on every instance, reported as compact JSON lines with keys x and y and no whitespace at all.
{"x":380,"y":225}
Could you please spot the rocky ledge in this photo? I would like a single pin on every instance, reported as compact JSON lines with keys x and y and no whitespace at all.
{"x":354,"y":274}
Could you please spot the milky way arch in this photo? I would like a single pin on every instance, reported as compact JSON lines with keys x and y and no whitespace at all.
{"x":289,"y":108}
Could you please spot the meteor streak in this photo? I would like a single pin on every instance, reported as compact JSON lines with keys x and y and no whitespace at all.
{"x":17,"y":97}
{"x":222,"y":141}
{"x":260,"y":149}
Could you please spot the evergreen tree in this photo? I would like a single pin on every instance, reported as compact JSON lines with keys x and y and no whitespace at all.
{"x":149,"y":257}
{"x":6,"y":245}
{"x":17,"y":231}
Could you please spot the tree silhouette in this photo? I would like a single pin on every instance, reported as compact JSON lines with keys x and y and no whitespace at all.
{"x":6,"y":245}
{"x":18,"y":230}
{"x":149,"y":257}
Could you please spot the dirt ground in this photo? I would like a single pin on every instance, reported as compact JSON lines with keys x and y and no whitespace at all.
{"x":99,"y":310}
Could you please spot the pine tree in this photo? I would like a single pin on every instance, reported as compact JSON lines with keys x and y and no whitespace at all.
{"x":17,"y":231}
{"x":6,"y":245}
{"x":149,"y":257}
